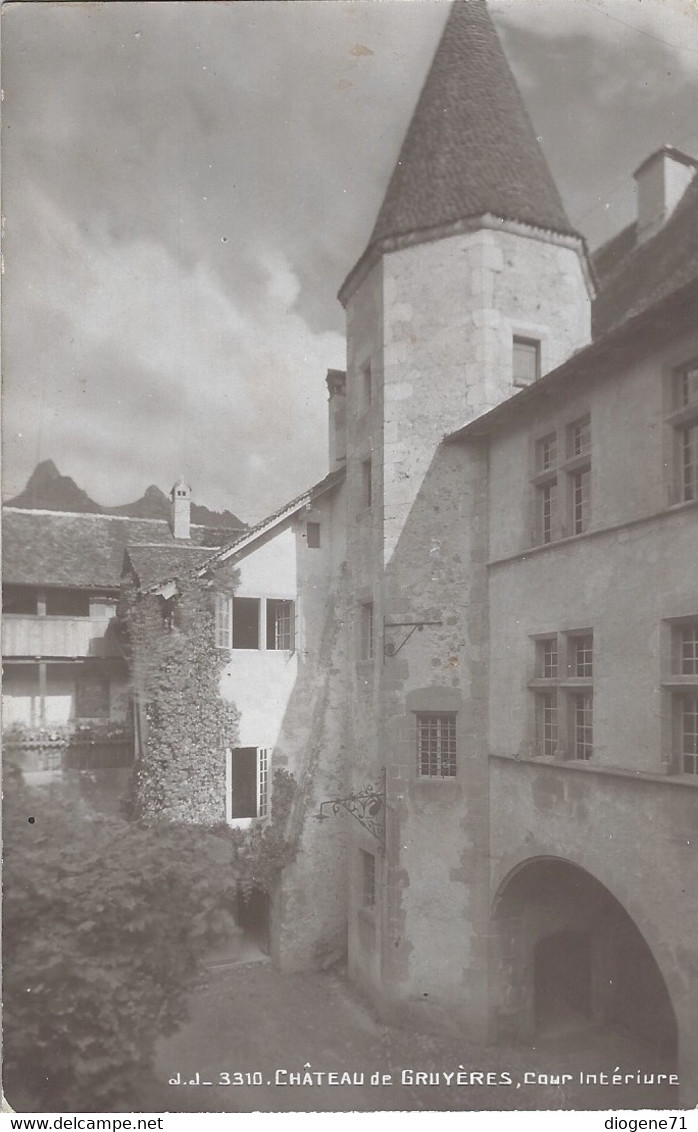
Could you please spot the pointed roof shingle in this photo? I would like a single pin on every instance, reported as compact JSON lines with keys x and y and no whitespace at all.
{"x":470,"y":149}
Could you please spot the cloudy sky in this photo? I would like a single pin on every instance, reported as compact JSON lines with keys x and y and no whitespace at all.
{"x":186,"y":185}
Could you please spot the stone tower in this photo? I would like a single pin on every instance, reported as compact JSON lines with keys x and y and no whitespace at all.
{"x":473,"y":283}
{"x":472,"y":264}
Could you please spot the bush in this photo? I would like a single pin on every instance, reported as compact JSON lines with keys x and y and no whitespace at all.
{"x":106,"y":923}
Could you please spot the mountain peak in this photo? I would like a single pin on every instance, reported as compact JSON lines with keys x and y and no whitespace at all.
{"x":48,"y":490}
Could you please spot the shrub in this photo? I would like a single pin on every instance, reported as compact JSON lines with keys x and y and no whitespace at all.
{"x":106,"y":923}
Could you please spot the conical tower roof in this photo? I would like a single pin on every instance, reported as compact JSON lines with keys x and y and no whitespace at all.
{"x":470,"y":148}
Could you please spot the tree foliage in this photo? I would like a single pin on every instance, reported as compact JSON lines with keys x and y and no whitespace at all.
{"x":105,"y":925}
{"x":184,"y":722}
{"x":107,"y":920}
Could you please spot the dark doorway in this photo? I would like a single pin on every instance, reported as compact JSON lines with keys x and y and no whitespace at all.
{"x":244,"y":783}
{"x":252,"y":915}
{"x":562,"y":979}
{"x":568,"y":958}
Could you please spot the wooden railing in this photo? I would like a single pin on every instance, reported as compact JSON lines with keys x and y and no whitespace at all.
{"x":56,"y":636}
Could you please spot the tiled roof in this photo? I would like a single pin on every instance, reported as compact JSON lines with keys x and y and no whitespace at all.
{"x":53,"y":548}
{"x":634,"y":277}
{"x":470,"y":148}
{"x":152,"y":564}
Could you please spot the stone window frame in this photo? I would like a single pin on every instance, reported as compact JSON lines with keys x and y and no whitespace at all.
{"x":531,"y":348}
{"x":679,"y":649}
{"x":434,"y":699}
{"x":563,"y":694}
{"x":436,"y":747}
{"x":681,"y":424}
{"x":561,"y":479}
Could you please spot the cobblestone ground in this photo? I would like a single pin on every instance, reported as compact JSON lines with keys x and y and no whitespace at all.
{"x":248,"y":1018}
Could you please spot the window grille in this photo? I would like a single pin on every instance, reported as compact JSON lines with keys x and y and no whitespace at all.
{"x":436,"y":745}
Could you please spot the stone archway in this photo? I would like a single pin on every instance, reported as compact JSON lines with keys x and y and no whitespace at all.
{"x":562,"y":979}
{"x":567,"y":955}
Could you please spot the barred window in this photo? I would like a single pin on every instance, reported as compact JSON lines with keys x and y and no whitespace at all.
{"x":436,"y":745}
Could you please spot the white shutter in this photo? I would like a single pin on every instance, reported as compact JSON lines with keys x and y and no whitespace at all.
{"x":223,"y":622}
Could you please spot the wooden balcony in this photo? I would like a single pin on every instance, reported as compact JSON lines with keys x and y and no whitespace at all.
{"x":56,"y":637}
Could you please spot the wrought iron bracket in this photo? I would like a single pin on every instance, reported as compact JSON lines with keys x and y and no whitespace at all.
{"x":392,"y":650}
{"x":367,"y":806}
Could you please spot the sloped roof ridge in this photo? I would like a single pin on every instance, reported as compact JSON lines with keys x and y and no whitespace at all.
{"x":276,"y":516}
{"x":107,"y":515}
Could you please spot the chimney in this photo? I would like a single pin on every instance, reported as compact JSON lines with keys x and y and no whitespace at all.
{"x":337,"y":385}
{"x":662,"y":179}
{"x":181,"y":509}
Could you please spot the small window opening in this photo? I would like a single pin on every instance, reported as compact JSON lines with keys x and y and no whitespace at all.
{"x":526,"y":360}
{"x":245,"y":623}
{"x":368,"y":879}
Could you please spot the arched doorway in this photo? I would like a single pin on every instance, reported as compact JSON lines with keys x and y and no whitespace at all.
{"x":568,"y":956}
{"x":562,"y":980}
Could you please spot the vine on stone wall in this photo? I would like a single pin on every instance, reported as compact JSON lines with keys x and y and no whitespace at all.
{"x":186,"y":725}
{"x":262,"y":850}
{"x":183,"y":722}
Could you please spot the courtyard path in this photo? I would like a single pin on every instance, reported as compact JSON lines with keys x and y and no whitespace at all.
{"x":248,"y":1018}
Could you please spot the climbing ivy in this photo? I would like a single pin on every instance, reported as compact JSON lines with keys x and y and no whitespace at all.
{"x":183,"y":723}
{"x":262,"y":850}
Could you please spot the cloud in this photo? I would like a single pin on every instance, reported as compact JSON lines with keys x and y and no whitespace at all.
{"x":187,"y":184}
{"x":168,"y":371}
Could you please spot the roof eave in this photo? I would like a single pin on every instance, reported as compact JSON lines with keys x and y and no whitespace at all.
{"x":476,"y":222}
{"x":584,"y":361}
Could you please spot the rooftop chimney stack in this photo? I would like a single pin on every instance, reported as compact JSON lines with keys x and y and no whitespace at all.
{"x":662,"y":180}
{"x":337,"y":386}
{"x":181,"y":510}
